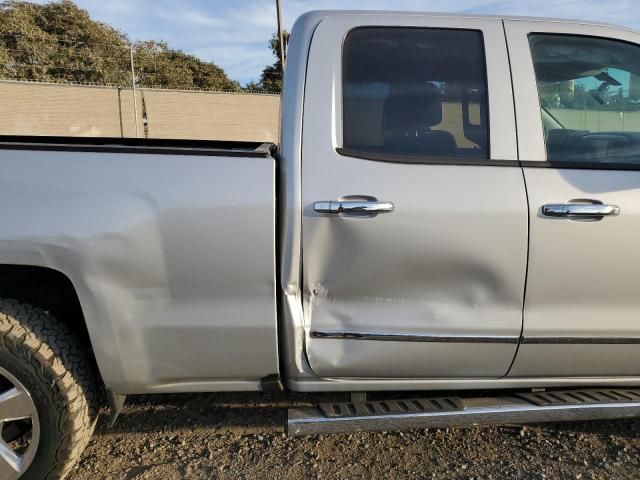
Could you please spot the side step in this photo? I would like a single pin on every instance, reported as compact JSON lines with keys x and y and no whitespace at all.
{"x":441,"y":412}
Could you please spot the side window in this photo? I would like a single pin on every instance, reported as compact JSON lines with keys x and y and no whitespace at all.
{"x":589,"y":90}
{"x":415,"y":92}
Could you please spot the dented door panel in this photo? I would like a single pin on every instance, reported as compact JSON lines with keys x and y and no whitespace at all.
{"x":434,"y":288}
{"x":445,"y":272}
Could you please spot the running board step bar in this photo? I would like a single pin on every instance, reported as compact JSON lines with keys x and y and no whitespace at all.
{"x":441,"y":412}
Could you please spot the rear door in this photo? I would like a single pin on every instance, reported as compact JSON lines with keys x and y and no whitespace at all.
{"x":414,"y":206}
{"x":577,"y":91}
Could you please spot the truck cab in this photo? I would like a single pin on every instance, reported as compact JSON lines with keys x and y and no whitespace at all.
{"x":508,"y":150}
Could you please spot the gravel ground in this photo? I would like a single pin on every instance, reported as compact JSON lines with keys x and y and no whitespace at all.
{"x":240,"y":436}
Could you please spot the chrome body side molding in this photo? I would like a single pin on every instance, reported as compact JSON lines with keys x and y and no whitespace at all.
{"x":418,"y":337}
{"x":581,"y":340}
{"x":411,"y":337}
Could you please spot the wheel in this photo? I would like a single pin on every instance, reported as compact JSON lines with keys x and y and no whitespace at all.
{"x":48,"y":401}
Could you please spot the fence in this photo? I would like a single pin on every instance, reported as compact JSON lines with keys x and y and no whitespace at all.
{"x":32,"y":108}
{"x":115,"y":98}
{"x":597,"y":120}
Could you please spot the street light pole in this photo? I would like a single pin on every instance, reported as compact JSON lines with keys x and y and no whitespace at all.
{"x":280,"y":34}
{"x":133,"y":88}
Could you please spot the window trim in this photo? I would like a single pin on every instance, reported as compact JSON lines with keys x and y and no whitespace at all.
{"x":414,"y":160}
{"x":419,"y":159}
{"x":426,"y":160}
{"x":571,"y":165}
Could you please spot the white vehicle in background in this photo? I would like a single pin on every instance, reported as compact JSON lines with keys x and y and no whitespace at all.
{"x":454,"y":205}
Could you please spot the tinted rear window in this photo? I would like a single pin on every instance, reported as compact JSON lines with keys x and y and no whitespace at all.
{"x":415,"y":92}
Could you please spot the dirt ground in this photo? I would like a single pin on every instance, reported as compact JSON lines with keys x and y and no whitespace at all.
{"x":239,"y":436}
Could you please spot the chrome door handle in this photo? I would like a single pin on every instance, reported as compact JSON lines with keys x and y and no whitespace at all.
{"x":580,"y":210}
{"x":353,"y":207}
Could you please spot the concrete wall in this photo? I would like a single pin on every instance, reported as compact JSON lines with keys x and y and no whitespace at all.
{"x":597,"y":121}
{"x":30,"y":108}
{"x":221,"y":116}
{"x":45,"y":109}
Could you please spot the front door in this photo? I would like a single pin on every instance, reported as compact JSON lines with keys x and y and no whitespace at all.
{"x":577,"y":91}
{"x":414,"y":206}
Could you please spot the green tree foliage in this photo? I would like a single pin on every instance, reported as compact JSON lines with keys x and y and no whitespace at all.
{"x":60,"y":42}
{"x":271,"y":77}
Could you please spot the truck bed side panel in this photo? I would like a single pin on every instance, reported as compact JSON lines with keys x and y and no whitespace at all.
{"x":172,"y":257}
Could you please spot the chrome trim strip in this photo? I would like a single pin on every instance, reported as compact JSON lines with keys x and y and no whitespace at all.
{"x":434,"y":338}
{"x":411,"y":337}
{"x":548,"y":340}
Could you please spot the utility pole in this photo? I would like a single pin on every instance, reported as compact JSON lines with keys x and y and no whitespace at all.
{"x":280,"y":35}
{"x":133,"y":86}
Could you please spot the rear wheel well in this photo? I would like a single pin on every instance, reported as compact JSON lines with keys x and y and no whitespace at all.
{"x":49,"y":290}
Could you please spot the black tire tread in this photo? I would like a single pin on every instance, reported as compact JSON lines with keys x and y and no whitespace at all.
{"x":55,"y":357}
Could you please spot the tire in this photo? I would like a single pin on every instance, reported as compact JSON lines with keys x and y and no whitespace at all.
{"x":47,"y":361}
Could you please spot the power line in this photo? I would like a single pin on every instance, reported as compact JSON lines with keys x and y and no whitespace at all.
{"x":62,"y":40}
{"x":79,"y":68}
{"x":36,"y":53}
{"x":160,"y":88}
{"x":53,"y":66}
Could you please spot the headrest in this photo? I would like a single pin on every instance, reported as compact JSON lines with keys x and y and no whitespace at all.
{"x":412,"y":108}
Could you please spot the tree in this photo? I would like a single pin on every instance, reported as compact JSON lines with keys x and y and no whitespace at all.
{"x":271,"y":77}
{"x":159,"y":65}
{"x":59,"y":42}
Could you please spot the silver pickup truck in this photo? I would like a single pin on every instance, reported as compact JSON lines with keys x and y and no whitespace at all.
{"x":454,"y":206}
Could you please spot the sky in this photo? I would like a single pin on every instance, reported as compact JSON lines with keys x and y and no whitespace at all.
{"x":234,"y":34}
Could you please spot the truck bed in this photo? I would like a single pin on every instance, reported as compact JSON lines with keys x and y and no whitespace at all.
{"x":170,"y":246}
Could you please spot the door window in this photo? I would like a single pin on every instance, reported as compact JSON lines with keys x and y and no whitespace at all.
{"x":589,"y":91}
{"x":415,"y":92}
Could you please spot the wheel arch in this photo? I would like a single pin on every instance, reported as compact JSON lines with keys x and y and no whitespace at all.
{"x":48,"y":289}
{"x":53,"y":290}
